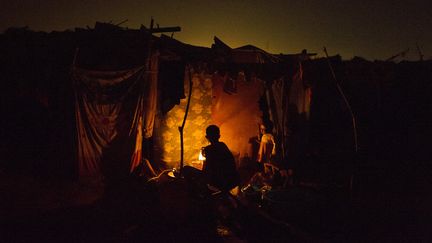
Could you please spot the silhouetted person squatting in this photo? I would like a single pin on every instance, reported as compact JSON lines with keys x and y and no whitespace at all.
{"x":219,"y":169}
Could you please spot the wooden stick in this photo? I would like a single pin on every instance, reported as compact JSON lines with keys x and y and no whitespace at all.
{"x":181,"y":128}
{"x":345,"y":100}
{"x":124,"y":21}
{"x":351,"y":179}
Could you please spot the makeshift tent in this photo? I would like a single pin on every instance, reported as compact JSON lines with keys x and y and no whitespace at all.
{"x":36,"y":69}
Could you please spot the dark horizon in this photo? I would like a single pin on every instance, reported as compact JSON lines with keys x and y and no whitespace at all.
{"x":368,"y":29}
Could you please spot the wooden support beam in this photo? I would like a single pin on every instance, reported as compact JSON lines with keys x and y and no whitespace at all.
{"x":162,"y":29}
{"x":166,"y":29}
{"x":159,"y":29}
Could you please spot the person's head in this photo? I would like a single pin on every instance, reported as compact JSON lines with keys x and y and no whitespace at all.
{"x":262,"y":128}
{"x":212,"y":133}
{"x":266,"y":128}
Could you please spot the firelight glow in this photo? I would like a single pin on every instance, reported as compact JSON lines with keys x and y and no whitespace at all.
{"x":201,"y":156}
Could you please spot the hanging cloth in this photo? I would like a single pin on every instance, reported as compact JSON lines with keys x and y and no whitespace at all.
{"x":114,"y":110}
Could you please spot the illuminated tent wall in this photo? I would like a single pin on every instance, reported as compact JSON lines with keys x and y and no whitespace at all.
{"x":222,"y":94}
{"x":167,"y":136}
{"x":236,"y":112}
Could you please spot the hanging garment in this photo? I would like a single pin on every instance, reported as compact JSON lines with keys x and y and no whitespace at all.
{"x":300,"y":94}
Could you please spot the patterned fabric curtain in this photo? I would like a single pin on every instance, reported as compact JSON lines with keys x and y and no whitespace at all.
{"x":199,"y":117}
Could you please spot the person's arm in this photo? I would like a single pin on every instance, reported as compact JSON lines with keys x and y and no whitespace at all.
{"x":261,"y":151}
{"x":274,"y":146}
{"x":205,"y":167}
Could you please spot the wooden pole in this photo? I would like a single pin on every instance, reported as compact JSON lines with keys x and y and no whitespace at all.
{"x":181,"y":128}
{"x":353,"y":120}
{"x":166,"y":29}
{"x":162,"y":29}
{"x":351,"y":179}
{"x":149,"y":33}
{"x":402,"y":54}
{"x":124,"y":21}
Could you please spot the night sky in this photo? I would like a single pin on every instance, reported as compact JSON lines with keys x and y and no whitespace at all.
{"x":373,"y":29}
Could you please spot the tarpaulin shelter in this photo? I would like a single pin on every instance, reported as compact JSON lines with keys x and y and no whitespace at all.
{"x":116,"y":92}
{"x":115,"y":85}
{"x":114,"y":112}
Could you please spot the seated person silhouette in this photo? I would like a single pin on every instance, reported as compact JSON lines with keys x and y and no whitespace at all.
{"x":219,"y":169}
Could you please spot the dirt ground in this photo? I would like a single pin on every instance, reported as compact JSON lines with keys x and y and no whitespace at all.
{"x":34,"y":210}
{"x":54,"y":210}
